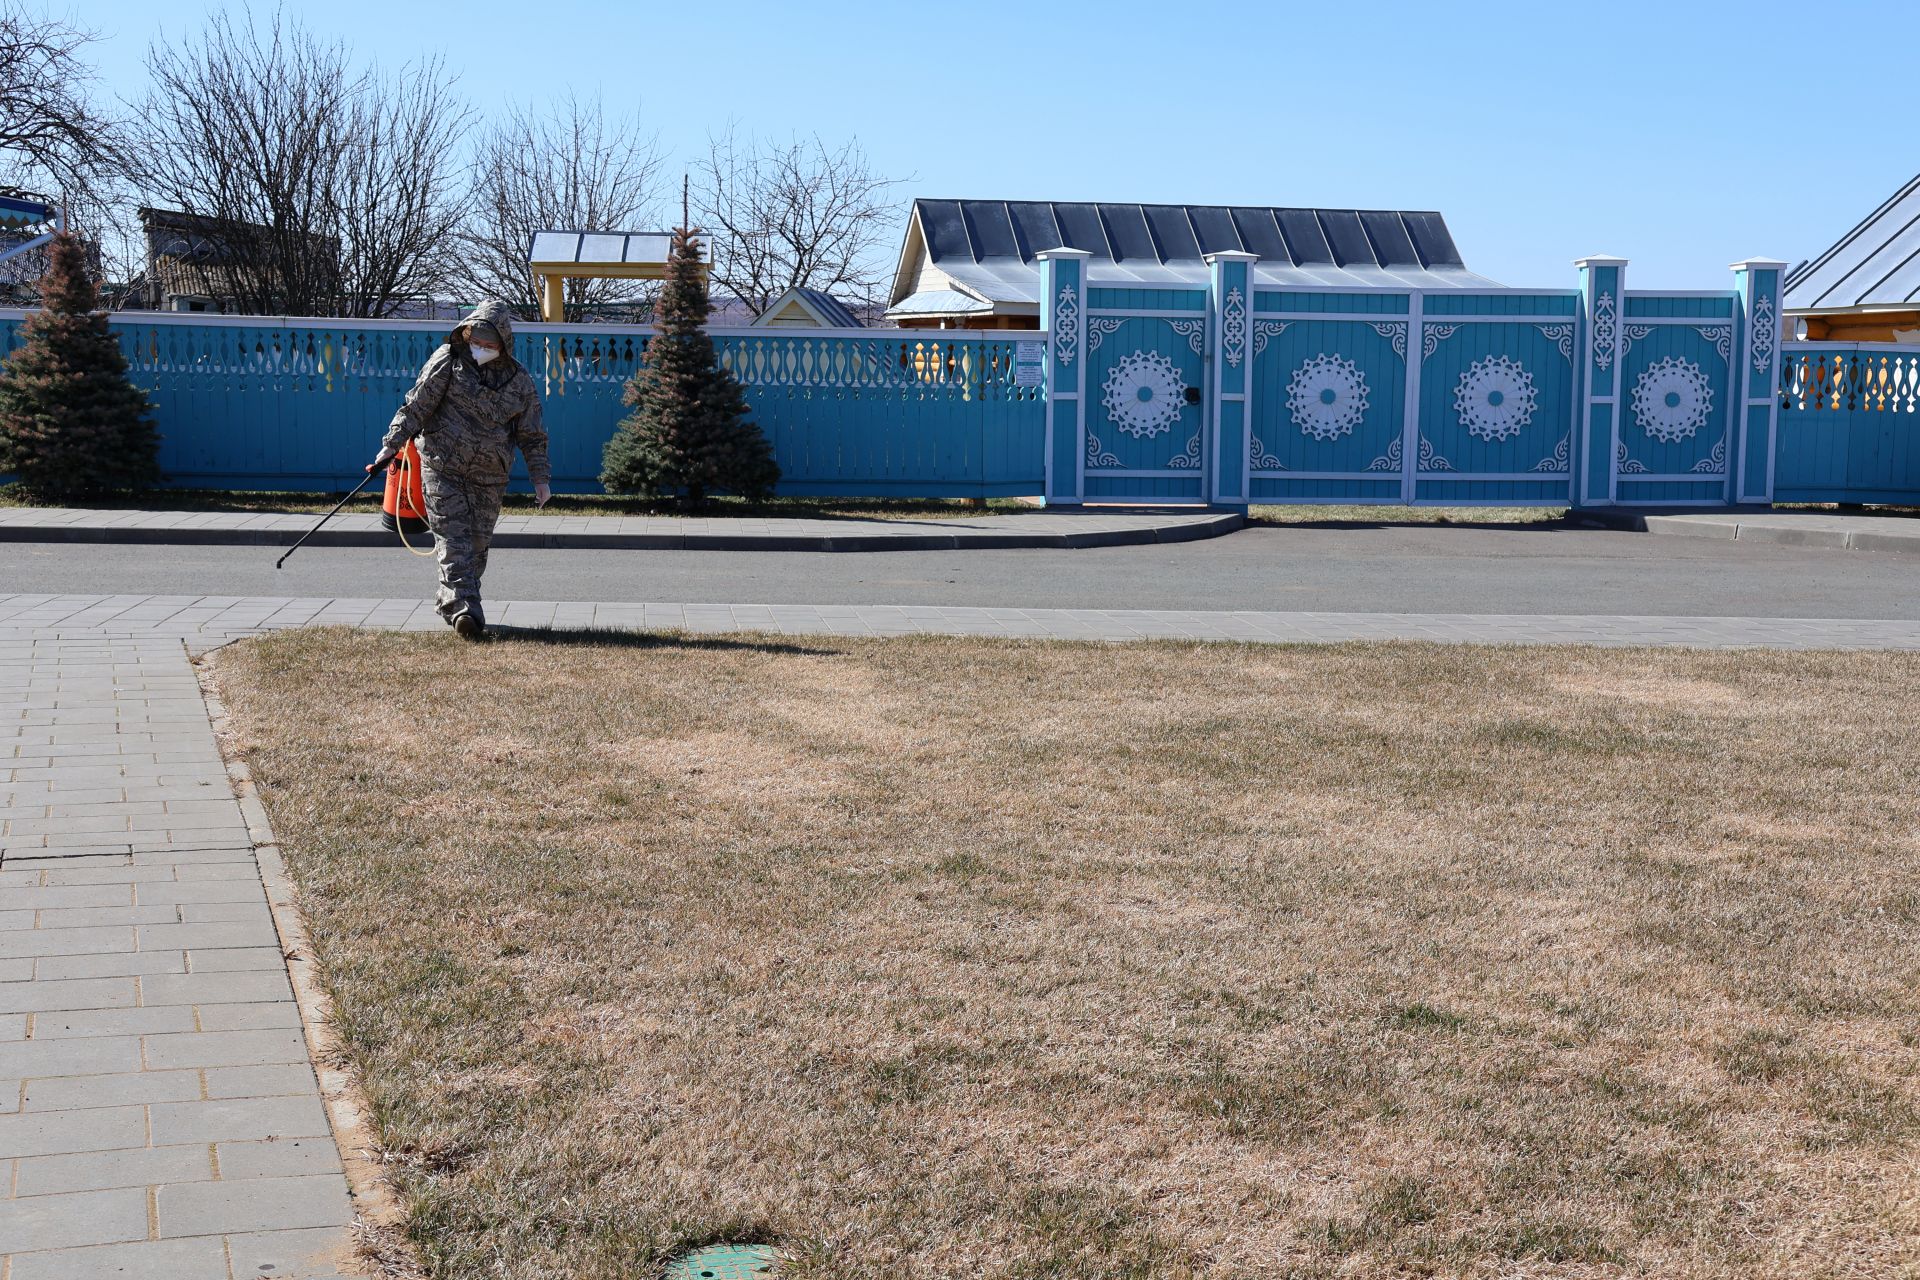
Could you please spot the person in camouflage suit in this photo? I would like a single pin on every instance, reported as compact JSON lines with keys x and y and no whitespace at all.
{"x":471,"y":407}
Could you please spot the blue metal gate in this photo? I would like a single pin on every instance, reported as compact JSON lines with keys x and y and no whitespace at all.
{"x":1455,"y":398}
{"x":1496,"y":393}
{"x":1677,"y":395}
{"x":1144,"y":422}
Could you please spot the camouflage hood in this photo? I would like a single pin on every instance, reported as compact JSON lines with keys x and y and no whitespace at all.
{"x":499,"y":315}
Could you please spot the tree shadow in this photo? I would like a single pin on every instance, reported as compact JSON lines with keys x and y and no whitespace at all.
{"x":615,"y":638}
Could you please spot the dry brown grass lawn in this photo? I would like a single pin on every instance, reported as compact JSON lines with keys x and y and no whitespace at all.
{"x":962,"y":958}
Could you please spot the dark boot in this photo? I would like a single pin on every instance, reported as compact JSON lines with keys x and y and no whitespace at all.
{"x":469,"y":626}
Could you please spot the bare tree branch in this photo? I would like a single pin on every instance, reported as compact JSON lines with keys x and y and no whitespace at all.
{"x":566,"y":169}
{"x":51,"y":135}
{"x":326,"y":189}
{"x":794,"y":214}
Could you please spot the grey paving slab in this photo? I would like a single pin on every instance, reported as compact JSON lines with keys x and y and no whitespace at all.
{"x":254,"y":1016}
{"x":91,"y":1056}
{"x":204,"y":1258}
{"x":239,"y":1120}
{"x":103,"y":1170}
{"x":113,"y":1089}
{"x":299,"y":1255}
{"x":216,"y":988}
{"x":224,"y":1049}
{"x":239,"y":960}
{"x":259,"y":1082}
{"x":284,"y":1158}
{"x":82,"y":1218}
{"x":73,"y":1024}
{"x":130,"y":963}
{"x":255,"y":1204}
{"x":62,"y":1132}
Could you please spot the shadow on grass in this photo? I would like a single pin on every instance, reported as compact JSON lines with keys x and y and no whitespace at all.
{"x":611,"y":638}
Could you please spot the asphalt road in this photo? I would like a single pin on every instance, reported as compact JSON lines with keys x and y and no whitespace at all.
{"x":1390,"y":569}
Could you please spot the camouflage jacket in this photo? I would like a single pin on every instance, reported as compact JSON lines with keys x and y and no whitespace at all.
{"x":469,"y":418}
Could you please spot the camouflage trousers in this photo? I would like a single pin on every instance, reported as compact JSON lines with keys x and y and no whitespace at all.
{"x":462,"y":516}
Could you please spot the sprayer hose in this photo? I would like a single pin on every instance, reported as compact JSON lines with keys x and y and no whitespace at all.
{"x":400,"y":521}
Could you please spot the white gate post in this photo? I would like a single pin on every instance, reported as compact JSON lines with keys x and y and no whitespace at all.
{"x":1063,"y":307}
{"x":1603,"y":298}
{"x":1757,"y":425}
{"x":1231,"y":299}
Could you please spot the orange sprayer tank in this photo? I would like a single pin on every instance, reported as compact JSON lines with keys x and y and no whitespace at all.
{"x":405,"y":505}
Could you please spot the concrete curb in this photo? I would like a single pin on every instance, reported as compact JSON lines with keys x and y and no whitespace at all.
{"x":377,"y":1211}
{"x":1730,"y":527}
{"x":1188,"y":530}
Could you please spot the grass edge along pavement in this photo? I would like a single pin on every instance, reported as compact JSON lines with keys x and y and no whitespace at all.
{"x":1322,"y":959}
{"x":379,"y":1217}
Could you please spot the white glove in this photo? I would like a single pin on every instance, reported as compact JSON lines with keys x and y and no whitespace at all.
{"x":542,"y":494}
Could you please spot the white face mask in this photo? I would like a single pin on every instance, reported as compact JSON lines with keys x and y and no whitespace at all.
{"x":483,"y":354}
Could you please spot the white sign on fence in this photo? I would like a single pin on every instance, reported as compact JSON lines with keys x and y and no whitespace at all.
{"x":1029,"y":364}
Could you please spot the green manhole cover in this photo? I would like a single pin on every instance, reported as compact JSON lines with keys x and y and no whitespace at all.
{"x":726,"y":1262}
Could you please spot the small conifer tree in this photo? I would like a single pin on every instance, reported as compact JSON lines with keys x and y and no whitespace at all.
{"x":70,"y":420}
{"x":688,"y":432}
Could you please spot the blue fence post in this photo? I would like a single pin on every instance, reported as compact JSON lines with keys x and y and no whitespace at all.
{"x":1231,"y":299}
{"x":1063,"y":304}
{"x":1758,"y":282}
{"x":1603,"y":292}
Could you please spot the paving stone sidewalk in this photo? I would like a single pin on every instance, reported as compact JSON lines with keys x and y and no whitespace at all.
{"x":158,"y":1114}
{"x":1028,"y":529}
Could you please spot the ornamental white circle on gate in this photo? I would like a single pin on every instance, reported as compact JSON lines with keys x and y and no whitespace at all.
{"x":1672,"y":399}
{"x":1327,"y":397}
{"x":1144,"y":393}
{"x":1495,"y":398}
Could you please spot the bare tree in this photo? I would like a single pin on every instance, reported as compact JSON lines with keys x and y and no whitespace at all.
{"x":566,"y":169}
{"x":795,"y":213}
{"x":322,"y":189}
{"x":397,"y":197}
{"x":51,"y":135}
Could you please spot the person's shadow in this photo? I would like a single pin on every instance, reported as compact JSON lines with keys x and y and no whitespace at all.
{"x":613,"y":638}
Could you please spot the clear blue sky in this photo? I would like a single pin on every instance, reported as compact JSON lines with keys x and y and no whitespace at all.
{"x":1681,"y":134}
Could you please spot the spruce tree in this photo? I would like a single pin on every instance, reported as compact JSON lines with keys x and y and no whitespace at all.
{"x":70,"y":420}
{"x":688,"y":432}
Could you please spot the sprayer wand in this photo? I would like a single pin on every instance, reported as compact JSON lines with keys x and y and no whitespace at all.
{"x":330,"y":515}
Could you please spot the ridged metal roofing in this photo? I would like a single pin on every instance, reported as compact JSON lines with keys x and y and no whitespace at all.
{"x":831,"y":309}
{"x":988,"y":246}
{"x":1877,"y":264}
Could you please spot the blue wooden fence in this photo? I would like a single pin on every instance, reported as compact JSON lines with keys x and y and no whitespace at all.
{"x":1849,"y":424}
{"x":275,"y":403}
{"x":1228,"y":392}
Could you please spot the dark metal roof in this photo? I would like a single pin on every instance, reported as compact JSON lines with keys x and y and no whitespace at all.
{"x":830,"y":308}
{"x":1877,"y":264}
{"x":976,"y":230}
{"x":832,"y":312}
{"x":987,"y":247}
